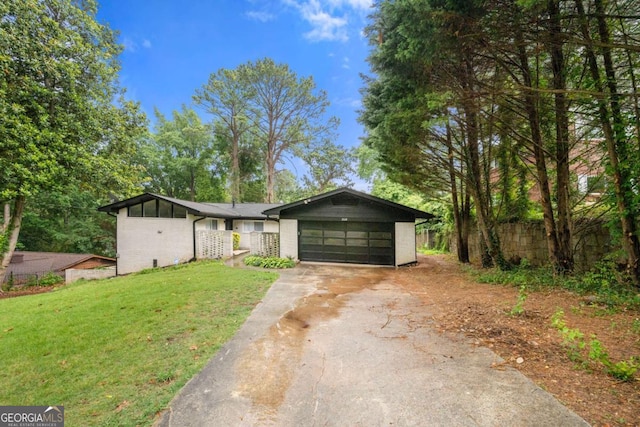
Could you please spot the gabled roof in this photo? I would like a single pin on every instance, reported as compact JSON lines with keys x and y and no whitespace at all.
{"x":26,"y":262}
{"x":214,"y":210}
{"x":276,"y":211}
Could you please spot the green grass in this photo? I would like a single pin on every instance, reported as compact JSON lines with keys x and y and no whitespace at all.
{"x":114,"y":352}
{"x":434,"y":251}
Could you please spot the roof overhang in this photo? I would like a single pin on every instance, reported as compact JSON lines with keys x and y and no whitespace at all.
{"x":341,"y":192}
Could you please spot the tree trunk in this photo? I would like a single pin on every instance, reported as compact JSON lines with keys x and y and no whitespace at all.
{"x":235,"y":168}
{"x":533,"y":115}
{"x":271,"y":173}
{"x":14,"y":232}
{"x":563,"y":228}
{"x":618,"y":153}
{"x":614,"y":137}
{"x":482,"y":199}
{"x":7,"y":217}
{"x":462,"y":240}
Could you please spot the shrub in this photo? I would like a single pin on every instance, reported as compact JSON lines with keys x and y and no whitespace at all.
{"x":48,"y":279}
{"x":236,"y":241}
{"x":269,"y":262}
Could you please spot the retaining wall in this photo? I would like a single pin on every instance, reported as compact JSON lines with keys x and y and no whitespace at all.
{"x":520,"y":240}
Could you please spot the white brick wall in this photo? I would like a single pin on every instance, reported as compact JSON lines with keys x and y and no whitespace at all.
{"x":141,"y":240}
{"x":405,"y":243}
{"x":289,"y":238}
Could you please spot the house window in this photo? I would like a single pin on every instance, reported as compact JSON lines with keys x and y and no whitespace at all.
{"x":595,"y":184}
{"x":135,"y":210}
{"x":150,"y":209}
{"x":591,"y":184}
{"x":179,"y":212}
{"x":249,"y":226}
{"x":212,"y":224}
{"x":164,"y":209}
{"x":157,"y":209}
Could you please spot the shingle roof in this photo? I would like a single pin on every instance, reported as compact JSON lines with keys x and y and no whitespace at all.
{"x":42,"y":262}
{"x":217,"y":210}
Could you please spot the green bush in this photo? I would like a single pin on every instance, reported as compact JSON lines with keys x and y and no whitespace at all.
{"x":605,"y":281}
{"x":269,"y":262}
{"x":48,"y":279}
{"x":236,"y":241}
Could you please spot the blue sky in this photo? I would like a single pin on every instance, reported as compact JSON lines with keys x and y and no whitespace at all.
{"x":171,"y":47}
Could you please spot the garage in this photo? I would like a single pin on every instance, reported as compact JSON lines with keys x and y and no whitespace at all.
{"x":348,"y":226}
{"x":348,"y":242}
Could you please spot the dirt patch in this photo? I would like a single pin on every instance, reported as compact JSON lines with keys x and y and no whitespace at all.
{"x":31,"y":290}
{"x":480,"y":312}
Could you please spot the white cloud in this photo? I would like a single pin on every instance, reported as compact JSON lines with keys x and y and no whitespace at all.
{"x":349,"y":102}
{"x":260,"y":16}
{"x":329,"y":19}
{"x":354,"y":4}
{"x":345,"y":63}
{"x":325,"y":26}
{"x":129,"y":45}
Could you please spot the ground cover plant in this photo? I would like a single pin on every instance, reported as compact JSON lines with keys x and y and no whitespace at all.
{"x":269,"y":262}
{"x":114,"y":352}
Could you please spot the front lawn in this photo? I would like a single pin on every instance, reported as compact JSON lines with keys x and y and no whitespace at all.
{"x":114,"y":352}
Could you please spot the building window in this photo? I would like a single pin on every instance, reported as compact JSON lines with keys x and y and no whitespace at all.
{"x":212,"y":224}
{"x":135,"y":210}
{"x":157,"y":209}
{"x":164,"y":209}
{"x":596,"y":184}
{"x":179,"y":212}
{"x":591,"y":184}
{"x":150,"y":209}
{"x":249,"y":226}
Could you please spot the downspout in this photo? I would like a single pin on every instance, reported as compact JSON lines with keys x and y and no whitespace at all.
{"x":117,"y":257}
{"x":194,"y":237}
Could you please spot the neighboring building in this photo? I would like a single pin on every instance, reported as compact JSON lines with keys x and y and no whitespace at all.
{"x":339,"y":226}
{"x":26,"y":266}
{"x":348,"y":226}
{"x":157,"y":231}
{"x":586,"y":166}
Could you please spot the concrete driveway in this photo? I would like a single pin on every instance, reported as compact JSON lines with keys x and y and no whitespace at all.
{"x":344,"y":346}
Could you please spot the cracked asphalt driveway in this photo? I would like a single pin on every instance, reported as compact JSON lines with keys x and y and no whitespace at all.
{"x":335,"y":345}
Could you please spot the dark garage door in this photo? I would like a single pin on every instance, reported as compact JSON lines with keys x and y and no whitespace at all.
{"x":344,"y":241}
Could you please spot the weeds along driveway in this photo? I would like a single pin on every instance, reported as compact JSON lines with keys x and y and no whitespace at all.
{"x":342,"y":345}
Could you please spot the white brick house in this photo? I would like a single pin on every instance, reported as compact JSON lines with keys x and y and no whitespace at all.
{"x":157,"y":231}
{"x":343,"y":225}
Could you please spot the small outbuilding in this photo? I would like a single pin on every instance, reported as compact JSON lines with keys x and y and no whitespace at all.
{"x":348,"y":226}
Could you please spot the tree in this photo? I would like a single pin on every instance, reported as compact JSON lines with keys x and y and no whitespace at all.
{"x":286,"y":113}
{"x":67,"y":220}
{"x":622,"y":155}
{"x":179,"y":155}
{"x":228,"y":96}
{"x":422,"y":110}
{"x":58,"y":81}
{"x":266,"y":108}
{"x":330,"y":167}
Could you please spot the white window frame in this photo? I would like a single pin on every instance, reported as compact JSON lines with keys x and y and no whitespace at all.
{"x":252,"y":226}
